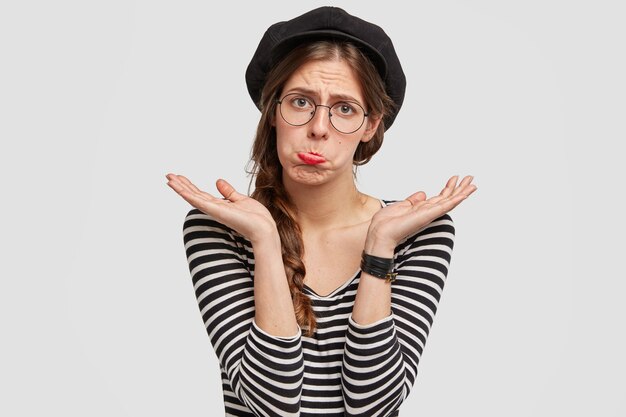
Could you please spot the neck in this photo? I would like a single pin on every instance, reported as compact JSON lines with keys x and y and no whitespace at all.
{"x":326,"y":206}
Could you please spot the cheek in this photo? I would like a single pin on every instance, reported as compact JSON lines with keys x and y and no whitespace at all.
{"x":282,"y":148}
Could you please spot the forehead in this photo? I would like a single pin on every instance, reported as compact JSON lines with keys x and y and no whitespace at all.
{"x":325,"y":79}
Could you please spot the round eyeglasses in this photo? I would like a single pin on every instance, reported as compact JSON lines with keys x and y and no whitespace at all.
{"x":345,"y":116}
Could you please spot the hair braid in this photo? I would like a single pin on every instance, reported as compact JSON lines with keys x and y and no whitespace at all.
{"x":269,"y":191}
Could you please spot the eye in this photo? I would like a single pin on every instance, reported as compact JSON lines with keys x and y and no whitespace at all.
{"x":345,"y":109}
{"x":301,"y":102}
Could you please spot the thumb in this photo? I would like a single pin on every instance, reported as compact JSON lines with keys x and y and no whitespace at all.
{"x":228,"y":191}
{"x":416,"y":197}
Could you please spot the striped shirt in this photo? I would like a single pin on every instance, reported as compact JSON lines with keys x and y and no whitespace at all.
{"x":345,"y":368}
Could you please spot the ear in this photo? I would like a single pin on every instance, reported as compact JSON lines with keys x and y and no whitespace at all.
{"x":372,"y":125}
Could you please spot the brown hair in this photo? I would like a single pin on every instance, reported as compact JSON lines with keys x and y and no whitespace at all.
{"x":269,"y":188}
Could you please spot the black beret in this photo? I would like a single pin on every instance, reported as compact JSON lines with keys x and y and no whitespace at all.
{"x":328,"y":23}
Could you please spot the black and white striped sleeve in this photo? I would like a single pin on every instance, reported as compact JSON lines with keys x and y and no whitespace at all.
{"x":380,"y":360}
{"x":265,"y":371}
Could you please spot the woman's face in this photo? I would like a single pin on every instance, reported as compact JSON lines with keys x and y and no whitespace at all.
{"x":316,"y":152}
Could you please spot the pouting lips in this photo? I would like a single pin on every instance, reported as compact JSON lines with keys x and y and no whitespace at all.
{"x":311,"y":158}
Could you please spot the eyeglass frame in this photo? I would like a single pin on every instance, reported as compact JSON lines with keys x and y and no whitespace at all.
{"x":330,"y":115}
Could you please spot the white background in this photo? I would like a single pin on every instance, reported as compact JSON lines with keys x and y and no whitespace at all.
{"x":99,"y":100}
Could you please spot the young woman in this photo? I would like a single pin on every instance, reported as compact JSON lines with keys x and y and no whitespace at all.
{"x":317,"y":298}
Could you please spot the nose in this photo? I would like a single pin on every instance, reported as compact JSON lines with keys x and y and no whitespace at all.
{"x":319,"y":126}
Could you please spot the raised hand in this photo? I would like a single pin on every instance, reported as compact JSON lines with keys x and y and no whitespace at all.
{"x":239,"y":212}
{"x":397,"y":221}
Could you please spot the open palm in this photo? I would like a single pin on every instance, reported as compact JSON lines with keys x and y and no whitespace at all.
{"x":397,"y":221}
{"x":241,"y":213}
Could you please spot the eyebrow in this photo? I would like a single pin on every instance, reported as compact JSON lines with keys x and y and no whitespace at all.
{"x":309,"y":92}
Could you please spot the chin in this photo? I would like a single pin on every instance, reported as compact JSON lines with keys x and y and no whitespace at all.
{"x":307,"y":176}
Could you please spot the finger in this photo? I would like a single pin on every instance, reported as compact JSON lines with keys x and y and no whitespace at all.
{"x":452,"y":189}
{"x":195,"y":199}
{"x":201,"y":200}
{"x":447,"y":190}
{"x":189,"y":184}
{"x":176,"y":180}
{"x":465,"y":183}
{"x":177,"y":185}
{"x":470,"y":190}
{"x":191,"y":188}
{"x":454,"y":200}
{"x":448,"y":203}
{"x":437,"y":199}
{"x":228,"y":191}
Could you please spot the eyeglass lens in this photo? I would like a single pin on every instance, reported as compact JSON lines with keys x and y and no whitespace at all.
{"x":345,"y":116}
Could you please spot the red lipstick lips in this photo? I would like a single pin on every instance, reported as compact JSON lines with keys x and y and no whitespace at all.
{"x":311,"y":158}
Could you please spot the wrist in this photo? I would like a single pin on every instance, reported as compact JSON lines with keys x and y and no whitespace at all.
{"x":379,"y":246}
{"x":266,"y":238}
{"x":378,"y":267}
